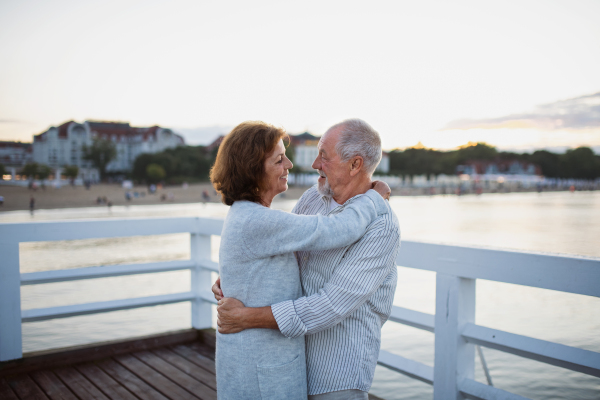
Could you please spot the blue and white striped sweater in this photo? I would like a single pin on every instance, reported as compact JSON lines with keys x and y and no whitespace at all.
{"x":348,"y":296}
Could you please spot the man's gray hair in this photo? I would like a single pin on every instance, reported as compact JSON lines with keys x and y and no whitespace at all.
{"x":358,"y":138}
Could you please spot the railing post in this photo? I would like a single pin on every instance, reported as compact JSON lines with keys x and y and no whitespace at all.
{"x":201,"y":281}
{"x":454,"y":357}
{"x":11,"y":345}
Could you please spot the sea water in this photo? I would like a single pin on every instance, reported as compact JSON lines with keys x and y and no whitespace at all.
{"x":565,"y":223}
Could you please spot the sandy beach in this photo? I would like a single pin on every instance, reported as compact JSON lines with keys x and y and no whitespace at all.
{"x":17,"y":197}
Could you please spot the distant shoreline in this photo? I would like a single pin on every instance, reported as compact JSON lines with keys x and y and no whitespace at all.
{"x":17,"y":197}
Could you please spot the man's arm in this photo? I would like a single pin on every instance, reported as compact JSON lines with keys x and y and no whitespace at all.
{"x":233,"y":317}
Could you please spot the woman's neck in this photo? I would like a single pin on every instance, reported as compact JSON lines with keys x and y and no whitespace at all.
{"x":266,"y":201}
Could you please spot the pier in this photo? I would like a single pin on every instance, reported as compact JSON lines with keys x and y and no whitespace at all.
{"x":457,"y":336}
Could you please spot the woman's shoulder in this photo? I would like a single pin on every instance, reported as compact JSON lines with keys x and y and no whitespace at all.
{"x":243,"y":211}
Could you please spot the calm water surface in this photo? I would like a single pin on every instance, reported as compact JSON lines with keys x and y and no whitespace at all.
{"x":551,"y":223}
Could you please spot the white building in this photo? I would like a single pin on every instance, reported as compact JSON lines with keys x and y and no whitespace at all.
{"x":306,"y":151}
{"x":13,"y":155}
{"x":61,"y":146}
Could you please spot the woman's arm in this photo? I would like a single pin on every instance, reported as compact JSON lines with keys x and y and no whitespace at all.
{"x":269,"y":232}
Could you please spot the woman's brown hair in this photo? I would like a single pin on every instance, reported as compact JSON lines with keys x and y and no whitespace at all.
{"x":239,"y":170}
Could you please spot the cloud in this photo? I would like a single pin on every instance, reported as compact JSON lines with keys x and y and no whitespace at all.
{"x":572,"y":114}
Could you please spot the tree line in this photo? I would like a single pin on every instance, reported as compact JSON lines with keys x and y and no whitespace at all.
{"x":193,"y":163}
{"x":579,"y":163}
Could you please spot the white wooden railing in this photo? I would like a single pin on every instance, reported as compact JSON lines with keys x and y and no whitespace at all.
{"x":457,"y":269}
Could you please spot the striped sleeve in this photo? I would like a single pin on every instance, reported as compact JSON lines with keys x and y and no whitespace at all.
{"x":360,"y":273}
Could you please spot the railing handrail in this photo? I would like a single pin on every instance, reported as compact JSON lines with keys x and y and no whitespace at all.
{"x":106,"y":228}
{"x":457,"y":268}
{"x":572,"y":274}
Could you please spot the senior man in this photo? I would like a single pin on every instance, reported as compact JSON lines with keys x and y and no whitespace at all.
{"x":348,"y":292}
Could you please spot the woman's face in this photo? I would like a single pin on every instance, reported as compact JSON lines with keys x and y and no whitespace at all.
{"x":276,"y":171}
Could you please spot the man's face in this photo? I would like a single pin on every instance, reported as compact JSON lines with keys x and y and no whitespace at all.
{"x":334,"y":174}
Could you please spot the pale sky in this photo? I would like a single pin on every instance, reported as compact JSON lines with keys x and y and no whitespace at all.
{"x":409,"y":68}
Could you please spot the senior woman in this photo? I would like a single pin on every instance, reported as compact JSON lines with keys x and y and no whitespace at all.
{"x":256,"y":261}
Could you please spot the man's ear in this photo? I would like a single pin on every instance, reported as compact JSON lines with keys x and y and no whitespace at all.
{"x":356,"y":165}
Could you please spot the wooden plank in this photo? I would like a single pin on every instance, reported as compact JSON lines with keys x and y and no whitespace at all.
{"x":64,"y":275}
{"x":26,"y":388}
{"x":413,"y":318}
{"x":10,"y":301}
{"x":202,"y":375}
{"x":52,"y":386}
{"x":412,"y":369}
{"x":474,"y":390}
{"x":194,"y":357}
{"x":153,"y":378}
{"x":178,"y":376}
{"x":42,"y":314}
{"x":200,"y":248}
{"x":105,"y":383}
{"x":96,"y":351}
{"x":129,"y":380}
{"x":108,"y":228}
{"x":6,"y":392}
{"x":584,"y":361}
{"x":91,"y":229}
{"x":77,"y":383}
{"x":208,"y":338}
{"x":454,"y":357}
{"x":574,"y":274}
{"x":209,"y":264}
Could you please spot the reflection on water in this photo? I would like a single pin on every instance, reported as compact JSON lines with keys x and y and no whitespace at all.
{"x":554,"y":222}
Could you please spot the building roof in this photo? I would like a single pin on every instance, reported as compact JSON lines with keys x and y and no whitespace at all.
{"x":304,"y":137}
{"x":62,"y":130}
{"x":5,"y":144}
{"x":109,"y":129}
{"x":216,"y":143}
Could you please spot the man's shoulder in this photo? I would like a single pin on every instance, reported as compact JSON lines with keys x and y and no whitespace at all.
{"x":385,"y":224}
{"x":308,"y":201}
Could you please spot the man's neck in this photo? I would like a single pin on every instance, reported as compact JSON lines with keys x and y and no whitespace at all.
{"x":353,"y":189}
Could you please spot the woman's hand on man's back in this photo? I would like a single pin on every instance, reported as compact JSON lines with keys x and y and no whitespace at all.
{"x":216,"y":289}
{"x":382,"y":188}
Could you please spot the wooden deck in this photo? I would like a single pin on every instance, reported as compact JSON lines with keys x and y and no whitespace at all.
{"x":176,"y":366}
{"x":179,"y":366}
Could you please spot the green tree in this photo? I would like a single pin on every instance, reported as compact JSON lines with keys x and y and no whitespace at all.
{"x":100,"y":153}
{"x":43,"y":171}
{"x":155,"y":173}
{"x":579,"y":163}
{"x":548,"y":162}
{"x":183,"y":163}
{"x":421,"y":161}
{"x":30,"y":170}
{"x":480,"y":151}
{"x":71,"y":171}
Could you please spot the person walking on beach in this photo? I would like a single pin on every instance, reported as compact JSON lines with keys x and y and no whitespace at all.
{"x":31,"y":204}
{"x":348,"y":291}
